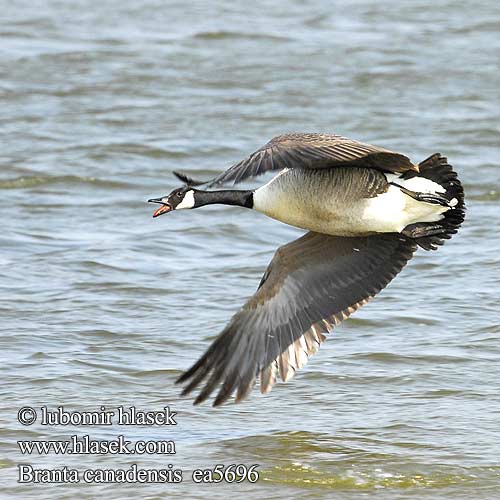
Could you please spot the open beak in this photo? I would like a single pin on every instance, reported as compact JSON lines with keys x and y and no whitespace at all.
{"x":165,"y":207}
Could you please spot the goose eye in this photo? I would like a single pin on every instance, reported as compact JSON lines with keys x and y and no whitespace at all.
{"x":179,"y":195}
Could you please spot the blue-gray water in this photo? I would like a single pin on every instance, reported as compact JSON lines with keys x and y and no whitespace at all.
{"x":102,"y":305}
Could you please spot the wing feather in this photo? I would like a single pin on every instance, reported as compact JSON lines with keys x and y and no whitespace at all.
{"x":314,"y":151}
{"x":311,"y":284}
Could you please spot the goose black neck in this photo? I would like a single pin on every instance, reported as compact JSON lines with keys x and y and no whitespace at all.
{"x":228,"y":197}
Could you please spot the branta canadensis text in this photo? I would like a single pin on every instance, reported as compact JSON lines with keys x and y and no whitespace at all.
{"x":366,"y":209}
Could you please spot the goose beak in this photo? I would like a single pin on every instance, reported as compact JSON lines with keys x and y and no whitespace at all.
{"x":165,"y":207}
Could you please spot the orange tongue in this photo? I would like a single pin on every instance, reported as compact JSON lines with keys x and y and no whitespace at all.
{"x":162,"y":210}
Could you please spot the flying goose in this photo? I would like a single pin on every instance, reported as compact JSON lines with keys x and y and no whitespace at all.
{"x":366,"y":209}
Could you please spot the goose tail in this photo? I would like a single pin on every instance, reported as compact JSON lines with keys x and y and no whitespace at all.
{"x":433,"y":234}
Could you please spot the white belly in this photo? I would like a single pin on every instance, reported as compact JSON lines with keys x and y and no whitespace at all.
{"x":288,"y":200}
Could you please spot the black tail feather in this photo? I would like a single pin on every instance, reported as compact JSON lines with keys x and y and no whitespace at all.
{"x":431,"y":235}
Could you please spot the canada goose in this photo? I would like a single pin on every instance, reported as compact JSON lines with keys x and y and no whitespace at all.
{"x":366,"y":208}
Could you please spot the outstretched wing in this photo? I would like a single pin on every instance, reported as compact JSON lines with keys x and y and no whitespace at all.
{"x":310,"y":285}
{"x":314,"y":151}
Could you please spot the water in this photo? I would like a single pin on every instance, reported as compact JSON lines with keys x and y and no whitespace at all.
{"x":102,"y":305}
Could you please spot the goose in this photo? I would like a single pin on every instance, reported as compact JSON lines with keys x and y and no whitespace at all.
{"x":366,"y":210}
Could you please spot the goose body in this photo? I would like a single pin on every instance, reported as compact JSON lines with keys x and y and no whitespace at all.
{"x":346,"y":201}
{"x":366,"y":208}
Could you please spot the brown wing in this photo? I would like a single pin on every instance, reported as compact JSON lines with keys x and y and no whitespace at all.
{"x":311,"y":285}
{"x":314,"y":151}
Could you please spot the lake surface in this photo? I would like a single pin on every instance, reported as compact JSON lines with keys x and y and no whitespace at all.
{"x":100,"y":305}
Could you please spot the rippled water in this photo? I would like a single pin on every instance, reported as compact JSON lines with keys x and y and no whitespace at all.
{"x":102,"y":305}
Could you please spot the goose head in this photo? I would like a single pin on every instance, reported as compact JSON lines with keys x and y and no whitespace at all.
{"x":183,"y":197}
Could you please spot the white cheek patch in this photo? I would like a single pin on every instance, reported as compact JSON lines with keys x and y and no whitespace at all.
{"x":187,"y":201}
